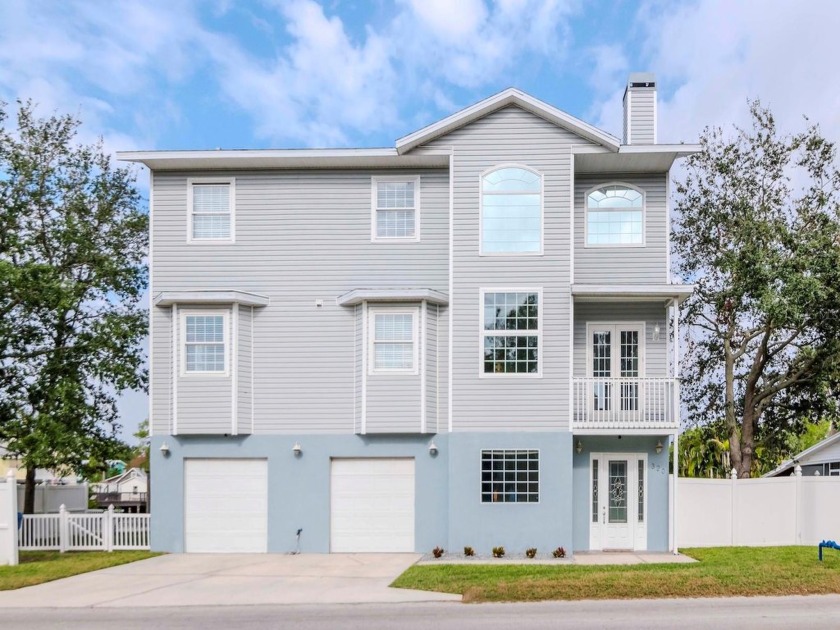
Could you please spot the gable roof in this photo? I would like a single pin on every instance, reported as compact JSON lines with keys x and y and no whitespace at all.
{"x":128,"y":474}
{"x":510,"y":96}
{"x":816,"y":448}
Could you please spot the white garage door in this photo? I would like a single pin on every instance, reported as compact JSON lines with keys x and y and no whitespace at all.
{"x":372,"y":505}
{"x":225,"y":505}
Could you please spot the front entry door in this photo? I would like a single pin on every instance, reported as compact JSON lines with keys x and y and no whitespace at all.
{"x":618,"y":501}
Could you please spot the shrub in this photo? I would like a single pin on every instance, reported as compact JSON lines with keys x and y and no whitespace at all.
{"x":469,"y":552}
{"x":437,"y":552}
{"x":498,"y":552}
{"x":531,"y":552}
{"x":559,"y":552}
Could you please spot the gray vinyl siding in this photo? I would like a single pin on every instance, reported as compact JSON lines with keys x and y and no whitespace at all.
{"x":245,"y":349}
{"x":642,"y":115}
{"x":651,"y":313}
{"x":432,"y":383}
{"x":161,"y":375}
{"x":442,"y":371}
{"x":358,"y":375}
{"x":204,"y":401}
{"x":501,"y":403}
{"x":624,"y":265}
{"x":393,"y":403}
{"x":301,"y":236}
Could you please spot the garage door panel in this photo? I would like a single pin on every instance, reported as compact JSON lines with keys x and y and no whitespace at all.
{"x":372,"y":505}
{"x":225,"y":505}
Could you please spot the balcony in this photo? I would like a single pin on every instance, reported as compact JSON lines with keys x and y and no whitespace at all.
{"x":626,"y":404}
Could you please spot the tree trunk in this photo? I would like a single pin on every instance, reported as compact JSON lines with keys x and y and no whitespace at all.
{"x":29,"y":491}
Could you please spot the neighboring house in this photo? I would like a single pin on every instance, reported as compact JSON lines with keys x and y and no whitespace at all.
{"x":9,"y":461}
{"x":128,"y":491}
{"x":462,"y":340}
{"x":823,"y":458}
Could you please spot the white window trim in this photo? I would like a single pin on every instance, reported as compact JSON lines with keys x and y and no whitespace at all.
{"x":374,"y":183}
{"x":481,"y":177}
{"x":225,"y":313}
{"x":494,"y":333}
{"x":373,"y":311}
{"x":231,"y":182}
{"x":641,"y":326}
{"x":589,"y":191}
{"x":511,"y":448}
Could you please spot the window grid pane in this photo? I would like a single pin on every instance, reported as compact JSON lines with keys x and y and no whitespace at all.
{"x":505,"y":315}
{"x":601,"y":368}
{"x":393,"y":341}
{"x":395,"y":209}
{"x":205,"y":348}
{"x":395,"y":223}
{"x":211,"y":211}
{"x":510,"y":476}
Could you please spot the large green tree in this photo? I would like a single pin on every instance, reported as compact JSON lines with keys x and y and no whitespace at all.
{"x":73,"y":241}
{"x":757,"y":230}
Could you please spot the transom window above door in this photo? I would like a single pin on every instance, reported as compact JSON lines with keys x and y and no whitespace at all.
{"x":615,"y":216}
{"x":511,"y":211}
{"x":396,"y":209}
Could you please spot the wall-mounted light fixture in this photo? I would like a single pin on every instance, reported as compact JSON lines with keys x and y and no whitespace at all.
{"x":297,"y":450}
{"x":433,"y":449}
{"x":659,"y":446}
{"x":579,"y":447}
{"x":164,"y":449}
{"x":656,"y":331}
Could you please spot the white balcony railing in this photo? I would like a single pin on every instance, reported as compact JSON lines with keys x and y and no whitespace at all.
{"x":624,"y":403}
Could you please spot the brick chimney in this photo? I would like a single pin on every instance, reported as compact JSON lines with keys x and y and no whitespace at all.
{"x":640,"y":109}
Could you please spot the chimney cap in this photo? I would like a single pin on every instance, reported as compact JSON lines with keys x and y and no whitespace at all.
{"x":641,"y":79}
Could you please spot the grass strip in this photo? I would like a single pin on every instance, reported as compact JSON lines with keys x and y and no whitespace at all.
{"x":720,"y":572}
{"x":37,"y":567}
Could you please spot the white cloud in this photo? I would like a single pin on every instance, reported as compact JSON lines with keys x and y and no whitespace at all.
{"x":711,"y":56}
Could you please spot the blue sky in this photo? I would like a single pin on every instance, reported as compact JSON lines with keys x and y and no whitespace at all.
{"x":190,"y":74}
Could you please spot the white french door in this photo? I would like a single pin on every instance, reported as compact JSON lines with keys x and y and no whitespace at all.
{"x":616,"y":365}
{"x":618,"y":501}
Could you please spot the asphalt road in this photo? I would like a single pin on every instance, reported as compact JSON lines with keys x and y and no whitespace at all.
{"x":766,"y":613}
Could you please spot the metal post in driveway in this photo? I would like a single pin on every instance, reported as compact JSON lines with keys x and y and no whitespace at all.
{"x":9,"y":520}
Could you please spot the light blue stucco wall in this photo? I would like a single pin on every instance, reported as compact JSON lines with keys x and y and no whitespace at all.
{"x":657,"y":484}
{"x":515,"y":526}
{"x":298,"y":487}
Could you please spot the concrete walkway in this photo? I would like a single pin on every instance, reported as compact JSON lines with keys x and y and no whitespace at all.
{"x":231,"y":580}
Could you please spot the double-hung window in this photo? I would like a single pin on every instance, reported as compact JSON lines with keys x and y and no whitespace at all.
{"x":615,"y":216}
{"x":510,"y":476}
{"x":211,"y":209}
{"x":205,"y":341}
{"x":396,"y":209}
{"x":511,"y":332}
{"x":393,"y":340}
{"x":511,"y":211}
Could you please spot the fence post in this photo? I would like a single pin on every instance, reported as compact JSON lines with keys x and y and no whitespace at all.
{"x":63,"y":529}
{"x":108,"y":529}
{"x":9,"y":520}
{"x":797,"y":534}
{"x":733,"y":475}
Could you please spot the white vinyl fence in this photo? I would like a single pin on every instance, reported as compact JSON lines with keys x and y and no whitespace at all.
{"x":8,"y":520}
{"x":791,"y":510}
{"x":49,"y":498}
{"x":105,"y":531}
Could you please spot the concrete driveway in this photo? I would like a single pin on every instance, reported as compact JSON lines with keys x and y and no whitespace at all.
{"x":231,"y":580}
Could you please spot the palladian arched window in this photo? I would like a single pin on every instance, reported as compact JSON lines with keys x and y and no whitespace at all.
{"x":511,"y":211}
{"x":615,"y":216}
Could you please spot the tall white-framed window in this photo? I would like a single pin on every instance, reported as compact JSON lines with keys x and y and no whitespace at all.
{"x":393,"y":335}
{"x":395,"y":209}
{"x":205,"y":343}
{"x":511,"y":332}
{"x":510,"y":476}
{"x":615,"y":357}
{"x":211,"y":209}
{"x":615,"y":216}
{"x":511,"y":211}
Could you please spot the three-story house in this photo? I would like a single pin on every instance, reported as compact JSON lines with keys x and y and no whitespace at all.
{"x":466,"y":339}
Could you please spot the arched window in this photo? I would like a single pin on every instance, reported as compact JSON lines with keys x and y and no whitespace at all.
{"x":511,"y":211}
{"x":615,"y":216}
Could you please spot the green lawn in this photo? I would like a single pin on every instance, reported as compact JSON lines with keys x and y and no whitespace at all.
{"x":45,"y":566}
{"x":720,"y":572}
